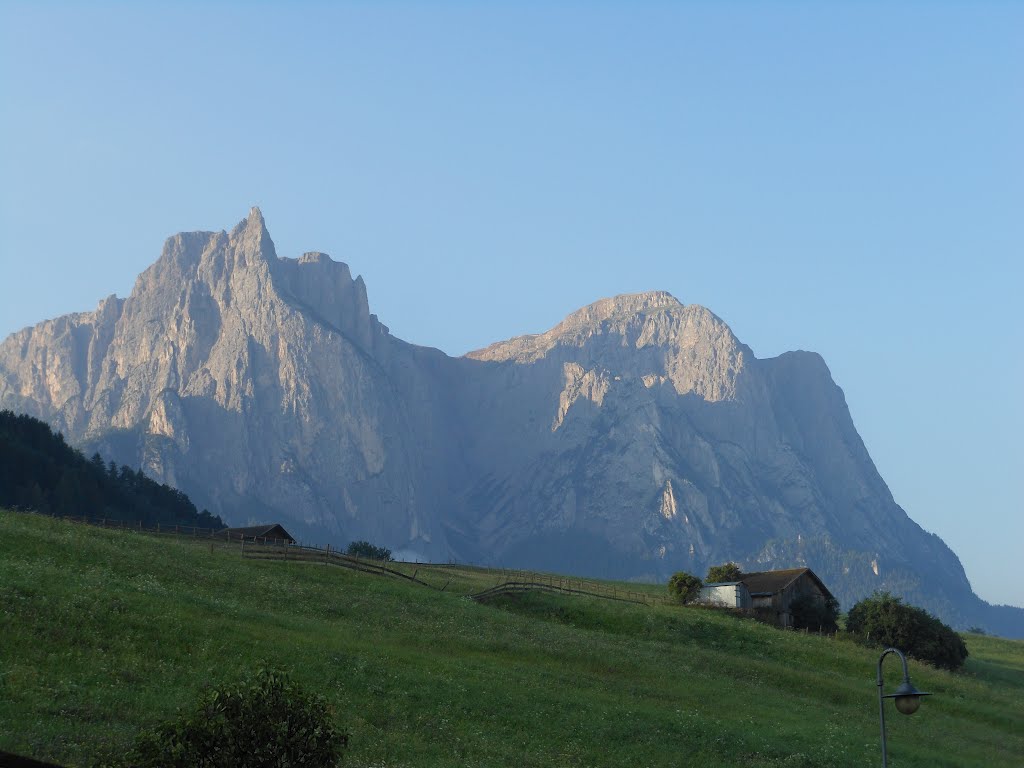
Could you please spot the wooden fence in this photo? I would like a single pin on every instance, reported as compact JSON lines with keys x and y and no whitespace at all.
{"x":508,"y":580}
{"x":309,"y":553}
{"x":565,"y":587}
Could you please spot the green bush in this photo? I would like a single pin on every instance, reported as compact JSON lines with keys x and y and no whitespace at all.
{"x":718,"y":574}
{"x":368,"y":550}
{"x":684,"y":587}
{"x":885,"y":620}
{"x":267,"y":720}
{"x":813,"y":613}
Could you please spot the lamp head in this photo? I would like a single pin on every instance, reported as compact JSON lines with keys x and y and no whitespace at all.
{"x":907,"y":697}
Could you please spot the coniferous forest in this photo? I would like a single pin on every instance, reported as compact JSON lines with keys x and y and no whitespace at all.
{"x":41,"y":472}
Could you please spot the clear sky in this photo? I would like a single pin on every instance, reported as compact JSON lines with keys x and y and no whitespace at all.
{"x":845,"y":178}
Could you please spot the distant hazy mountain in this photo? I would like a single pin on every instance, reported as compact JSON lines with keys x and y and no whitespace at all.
{"x":636,"y":438}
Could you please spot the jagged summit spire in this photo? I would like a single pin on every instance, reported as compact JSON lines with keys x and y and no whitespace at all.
{"x":253,"y":221}
{"x":252,"y":235}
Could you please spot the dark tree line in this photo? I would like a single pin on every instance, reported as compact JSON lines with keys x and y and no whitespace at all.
{"x":40,"y":471}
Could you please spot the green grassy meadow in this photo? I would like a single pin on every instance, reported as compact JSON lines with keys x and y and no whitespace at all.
{"x":104,"y":632}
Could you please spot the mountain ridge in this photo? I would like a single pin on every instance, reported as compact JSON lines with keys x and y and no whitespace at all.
{"x":637,"y":437}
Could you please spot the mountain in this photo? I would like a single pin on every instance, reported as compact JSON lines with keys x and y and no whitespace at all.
{"x":636,"y":438}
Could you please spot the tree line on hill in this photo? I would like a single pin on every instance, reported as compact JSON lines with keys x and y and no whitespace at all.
{"x":41,"y":472}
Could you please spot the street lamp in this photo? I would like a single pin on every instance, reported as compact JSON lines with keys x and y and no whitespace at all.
{"x":907,"y":697}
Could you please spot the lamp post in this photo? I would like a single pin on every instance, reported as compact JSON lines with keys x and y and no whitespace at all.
{"x":907,"y":697}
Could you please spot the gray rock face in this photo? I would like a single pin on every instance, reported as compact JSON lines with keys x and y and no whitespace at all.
{"x":636,"y":438}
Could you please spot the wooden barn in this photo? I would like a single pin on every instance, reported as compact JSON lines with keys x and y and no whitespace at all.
{"x":270,"y":532}
{"x":772,"y":592}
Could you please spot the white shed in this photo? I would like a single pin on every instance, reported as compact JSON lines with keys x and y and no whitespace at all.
{"x":731,"y":594}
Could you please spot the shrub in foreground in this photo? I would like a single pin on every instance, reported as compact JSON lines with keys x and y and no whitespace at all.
{"x":684,"y":587}
{"x":267,"y":720}
{"x":885,"y":620}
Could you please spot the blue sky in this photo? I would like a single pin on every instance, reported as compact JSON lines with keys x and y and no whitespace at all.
{"x":842,"y":178}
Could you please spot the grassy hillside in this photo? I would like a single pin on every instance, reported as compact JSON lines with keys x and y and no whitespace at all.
{"x":104,"y":632}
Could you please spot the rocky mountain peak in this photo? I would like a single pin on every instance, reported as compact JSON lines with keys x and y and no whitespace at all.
{"x":254,"y":220}
{"x":251,"y":238}
{"x":633,"y":319}
{"x":652,"y":337}
{"x":325,"y":289}
{"x":622,"y":306}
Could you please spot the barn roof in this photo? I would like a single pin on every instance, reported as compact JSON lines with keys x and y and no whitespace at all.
{"x":772,"y":582}
{"x":265,"y":531}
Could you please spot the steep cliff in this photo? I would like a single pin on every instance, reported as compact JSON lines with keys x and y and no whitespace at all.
{"x":636,"y":438}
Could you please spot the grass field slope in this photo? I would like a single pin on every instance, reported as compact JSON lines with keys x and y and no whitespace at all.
{"x":103,"y":632}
